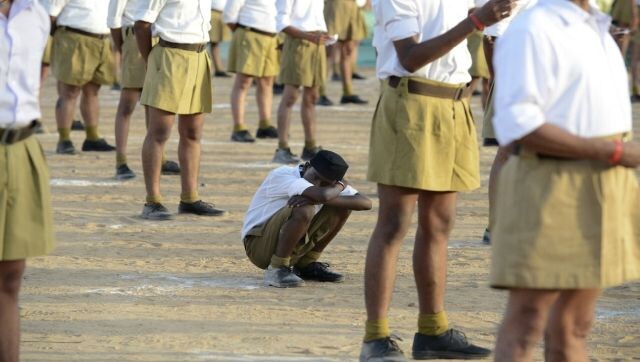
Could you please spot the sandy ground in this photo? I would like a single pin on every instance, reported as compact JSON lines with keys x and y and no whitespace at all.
{"x":119,"y":288}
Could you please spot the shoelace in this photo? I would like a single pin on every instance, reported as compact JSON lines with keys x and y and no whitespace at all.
{"x":391,"y":344}
{"x":461,"y":336}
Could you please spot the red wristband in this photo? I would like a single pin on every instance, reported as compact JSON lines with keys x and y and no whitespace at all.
{"x":617,"y":153}
{"x":478,"y":24}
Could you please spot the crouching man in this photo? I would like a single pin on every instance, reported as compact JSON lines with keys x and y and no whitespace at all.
{"x":294,"y":215}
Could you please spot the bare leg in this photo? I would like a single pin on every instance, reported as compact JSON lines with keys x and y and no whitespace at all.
{"x":10,"y":280}
{"x":308,"y":112}
{"x":293,"y":230}
{"x":190,"y":128}
{"x":238,"y":97}
{"x":394,"y":218}
{"x":346,"y":60}
{"x":289,"y":98}
{"x":158,"y":132}
{"x":90,"y":104}
{"x":485,"y":92}
{"x":337,"y":222}
{"x":66,"y":104}
{"x":127,"y":104}
{"x":216,"y":58}
{"x":264,"y":97}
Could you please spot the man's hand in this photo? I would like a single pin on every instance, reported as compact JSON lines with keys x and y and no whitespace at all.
{"x":494,"y":11}
{"x":318,"y":38}
{"x":232,"y":26}
{"x":299,"y":200}
{"x":630,"y":155}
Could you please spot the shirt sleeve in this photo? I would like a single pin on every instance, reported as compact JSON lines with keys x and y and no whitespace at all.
{"x":525,"y":79}
{"x":148,"y":11}
{"x":116,"y":9}
{"x":283,"y":17}
{"x":286,"y":183}
{"x":232,"y":11}
{"x":56,"y":6}
{"x":400,"y":19}
{"x":348,"y":191}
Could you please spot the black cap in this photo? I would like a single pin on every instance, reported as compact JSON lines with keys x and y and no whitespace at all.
{"x":329,"y":165}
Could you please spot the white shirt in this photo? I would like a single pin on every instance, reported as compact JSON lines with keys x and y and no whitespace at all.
{"x":361,"y":3}
{"x":306,"y":15}
{"x":401,"y":19}
{"x":121,"y":13}
{"x":178,"y":21}
{"x":87,"y":15}
{"x":218,"y":4}
{"x":259,"y":14}
{"x":278,"y":187}
{"x":23,"y":38}
{"x":500,"y":27}
{"x":558,"y":64}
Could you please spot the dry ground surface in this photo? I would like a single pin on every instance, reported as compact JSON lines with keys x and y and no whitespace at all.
{"x":119,"y":288}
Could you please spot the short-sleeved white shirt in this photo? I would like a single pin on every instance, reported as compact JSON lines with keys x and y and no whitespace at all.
{"x":218,"y":4}
{"x":305,"y":15}
{"x":278,"y":187}
{"x":259,"y":14}
{"x":87,"y":15}
{"x":500,"y":27}
{"x":401,"y":19}
{"x":178,"y":21}
{"x":121,"y":13}
{"x":558,"y":64}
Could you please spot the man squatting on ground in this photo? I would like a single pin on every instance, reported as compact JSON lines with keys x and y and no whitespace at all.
{"x":567,"y":220}
{"x":26,"y":221}
{"x":423,"y":150}
{"x":295,"y":213}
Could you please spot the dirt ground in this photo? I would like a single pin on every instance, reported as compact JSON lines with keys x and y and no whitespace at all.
{"x":119,"y":288}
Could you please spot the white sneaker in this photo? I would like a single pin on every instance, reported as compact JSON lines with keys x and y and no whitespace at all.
{"x":282,"y":277}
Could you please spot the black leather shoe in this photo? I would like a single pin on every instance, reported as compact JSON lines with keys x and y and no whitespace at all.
{"x":320,"y":272}
{"x":324,"y":101}
{"x":221,"y":74}
{"x":99,"y":145}
{"x":357,"y":76}
{"x":77,"y":125}
{"x":170,"y":168}
{"x":200,"y":208}
{"x":242,"y":136}
{"x":268,"y":132}
{"x":278,"y":89}
{"x":452,"y":344}
{"x":123,"y":172}
{"x":352,"y":99}
{"x":65,"y":148}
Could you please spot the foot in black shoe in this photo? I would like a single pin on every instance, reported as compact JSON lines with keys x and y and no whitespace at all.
{"x":352,"y":99}
{"x":452,"y":344}
{"x":324,"y":101}
{"x":65,"y":148}
{"x":221,"y":74}
{"x":336,"y":77}
{"x":242,"y":136}
{"x":308,"y":153}
{"x":155,"y":211}
{"x":635,"y":98}
{"x":267,"y":132}
{"x":77,"y":125}
{"x":319,"y":272}
{"x":123,"y":172}
{"x":381,"y":350}
{"x":357,"y":76}
{"x":170,"y":168}
{"x":278,"y":89}
{"x":99,"y":145}
{"x":200,"y":208}
{"x":486,"y":237}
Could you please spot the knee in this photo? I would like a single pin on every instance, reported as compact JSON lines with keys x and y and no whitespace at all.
{"x":392,"y":230}
{"x":310,"y":99}
{"x":190,"y":134}
{"x":158,"y":134}
{"x":438,"y":225}
{"x":68,"y":93}
{"x":127,"y":107}
{"x":303,"y":214}
{"x":530,"y":323}
{"x":577,"y":327}
{"x":11,"y":279}
{"x":289,"y":101}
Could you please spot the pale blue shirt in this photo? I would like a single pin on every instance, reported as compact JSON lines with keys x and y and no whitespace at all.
{"x":23,"y":37}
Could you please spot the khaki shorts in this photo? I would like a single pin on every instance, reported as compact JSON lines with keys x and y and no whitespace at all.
{"x":423,"y":142}
{"x":132,"y":69}
{"x":479,"y":67}
{"x":219,"y":31}
{"x":488,"y":133}
{"x":261,"y":241}
{"x":26,"y":221}
{"x":621,"y":12}
{"x":78,"y":59}
{"x":253,"y":54}
{"x":303,"y":63}
{"x":343,"y":18}
{"x":46,"y":57}
{"x":178,"y":81}
{"x":565,"y":225}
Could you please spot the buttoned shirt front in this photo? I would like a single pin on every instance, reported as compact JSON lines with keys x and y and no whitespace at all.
{"x":218,"y":4}
{"x":558,"y":64}
{"x":23,"y":37}
{"x":500,"y":27}
{"x":259,"y":14}
{"x":121,"y":13}
{"x":401,"y":19}
{"x":306,"y":15}
{"x":87,"y":15}
{"x":178,"y":21}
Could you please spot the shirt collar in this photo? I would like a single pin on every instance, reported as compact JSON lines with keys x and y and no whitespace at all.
{"x":19,"y":5}
{"x":572,"y":13}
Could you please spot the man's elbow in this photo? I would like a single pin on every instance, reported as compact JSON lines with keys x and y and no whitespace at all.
{"x":409,"y":64}
{"x":140,"y":26}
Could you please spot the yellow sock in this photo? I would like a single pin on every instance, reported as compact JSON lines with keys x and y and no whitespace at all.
{"x":239,"y":127}
{"x":433,"y":324}
{"x":310,"y":144}
{"x":277,"y":261}
{"x":347,"y":90}
{"x":308,"y":258}
{"x":164,"y":158}
{"x":121,"y":159}
{"x":376,"y":329}
{"x":157,"y":199}
{"x":265,"y":123}
{"x":92,"y":133}
{"x":283,"y":145}
{"x":64,"y":134}
{"x":189,"y":197}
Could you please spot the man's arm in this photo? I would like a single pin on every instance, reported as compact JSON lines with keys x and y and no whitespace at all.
{"x":232,"y":12}
{"x":414,"y":55}
{"x":116,"y":34}
{"x":142,"y":30}
{"x":322,"y":194}
{"x":355,"y":202}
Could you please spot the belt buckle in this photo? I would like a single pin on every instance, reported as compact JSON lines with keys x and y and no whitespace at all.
{"x":9,"y":137}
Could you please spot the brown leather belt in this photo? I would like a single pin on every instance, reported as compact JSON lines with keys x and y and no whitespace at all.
{"x":425,"y":89}
{"x":519,"y":150}
{"x":9,"y":136}
{"x":85,"y":33}
{"x":257,"y":31}
{"x":189,"y":47}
